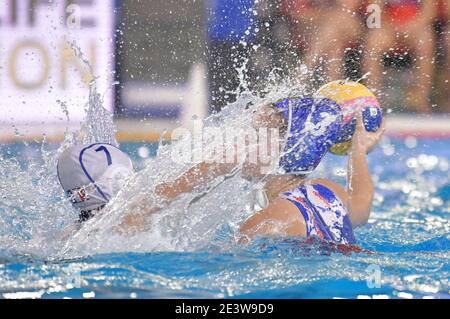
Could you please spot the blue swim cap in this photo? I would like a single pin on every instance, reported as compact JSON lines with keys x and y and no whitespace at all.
{"x":314,"y":125}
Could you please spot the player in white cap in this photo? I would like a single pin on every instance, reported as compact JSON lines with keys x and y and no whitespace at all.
{"x":92,"y":174}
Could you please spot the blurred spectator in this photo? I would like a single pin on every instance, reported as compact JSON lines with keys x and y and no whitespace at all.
{"x":230,"y":28}
{"x":340,"y":28}
{"x":405,"y":24}
{"x":305,"y":17}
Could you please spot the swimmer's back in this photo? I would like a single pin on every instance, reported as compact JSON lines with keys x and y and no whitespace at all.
{"x":325,"y":214}
{"x":315,"y":209}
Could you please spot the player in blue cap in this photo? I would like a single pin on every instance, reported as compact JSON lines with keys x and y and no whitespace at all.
{"x":320,"y":208}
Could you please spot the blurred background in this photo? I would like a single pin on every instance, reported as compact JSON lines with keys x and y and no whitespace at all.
{"x":159,"y":63}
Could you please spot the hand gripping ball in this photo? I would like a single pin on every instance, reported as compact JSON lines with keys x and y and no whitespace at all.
{"x":352,"y":97}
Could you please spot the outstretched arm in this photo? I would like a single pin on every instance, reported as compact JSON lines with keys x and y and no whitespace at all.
{"x":200,"y":174}
{"x":205,"y":172}
{"x":136,"y":219}
{"x":360,"y":185}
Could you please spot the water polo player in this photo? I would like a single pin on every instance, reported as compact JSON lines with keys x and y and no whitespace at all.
{"x":321,"y":208}
{"x":92,"y":174}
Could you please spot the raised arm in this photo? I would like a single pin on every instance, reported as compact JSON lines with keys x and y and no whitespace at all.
{"x":360,"y":184}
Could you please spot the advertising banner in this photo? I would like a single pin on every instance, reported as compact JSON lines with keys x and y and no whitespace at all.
{"x":49,"y":53}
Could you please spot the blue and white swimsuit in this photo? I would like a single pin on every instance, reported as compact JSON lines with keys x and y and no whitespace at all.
{"x":325,"y":215}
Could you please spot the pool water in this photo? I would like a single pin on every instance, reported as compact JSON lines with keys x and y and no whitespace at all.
{"x":408,"y":233}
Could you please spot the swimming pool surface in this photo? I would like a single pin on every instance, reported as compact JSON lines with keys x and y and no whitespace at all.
{"x":408,"y":233}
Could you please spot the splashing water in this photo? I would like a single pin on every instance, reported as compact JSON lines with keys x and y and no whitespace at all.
{"x":189,"y":248}
{"x":33,"y":207}
{"x":193,"y":220}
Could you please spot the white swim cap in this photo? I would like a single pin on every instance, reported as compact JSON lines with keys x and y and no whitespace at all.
{"x":92,"y":174}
